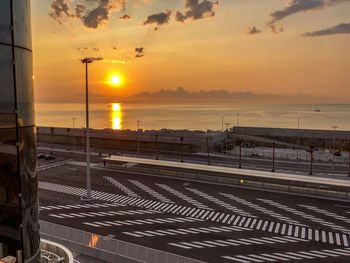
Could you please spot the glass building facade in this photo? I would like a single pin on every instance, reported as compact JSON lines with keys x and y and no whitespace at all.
{"x":19,"y":225}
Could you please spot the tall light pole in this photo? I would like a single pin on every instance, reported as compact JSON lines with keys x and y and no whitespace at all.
{"x":138,"y":140}
{"x":222,"y":123}
{"x":227,"y":124}
{"x":73,"y":119}
{"x":88,"y":197}
{"x":298,"y":139}
{"x":334,"y":128}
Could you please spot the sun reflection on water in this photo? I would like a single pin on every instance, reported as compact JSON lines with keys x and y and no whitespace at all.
{"x":117,"y":116}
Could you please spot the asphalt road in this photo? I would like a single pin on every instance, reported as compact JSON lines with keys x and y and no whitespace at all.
{"x":239,"y":234}
{"x":255,"y":163}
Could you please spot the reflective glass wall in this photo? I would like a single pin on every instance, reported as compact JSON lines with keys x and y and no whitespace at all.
{"x":19,"y":226}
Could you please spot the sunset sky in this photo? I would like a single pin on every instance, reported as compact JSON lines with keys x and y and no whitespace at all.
{"x":270,"y":46}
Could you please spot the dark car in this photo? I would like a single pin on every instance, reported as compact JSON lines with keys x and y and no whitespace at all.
{"x":49,"y":157}
{"x":40,"y":156}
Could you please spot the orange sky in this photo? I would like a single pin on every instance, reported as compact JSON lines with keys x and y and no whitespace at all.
{"x":204,"y":52}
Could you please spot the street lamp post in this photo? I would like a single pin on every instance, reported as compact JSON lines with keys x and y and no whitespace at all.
{"x":208,"y":150}
{"x":73,"y":137}
{"x":227,"y":124}
{"x":138,"y":140}
{"x":334,"y":128}
{"x":298,"y":139}
{"x":182,"y":149}
{"x":273,"y":156}
{"x":312,"y":147}
{"x":157,"y":157}
{"x":88,"y":197}
{"x":240,"y":154}
{"x":222,"y":123}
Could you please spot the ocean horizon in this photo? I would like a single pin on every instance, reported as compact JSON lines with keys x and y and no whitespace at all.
{"x":195,"y":116}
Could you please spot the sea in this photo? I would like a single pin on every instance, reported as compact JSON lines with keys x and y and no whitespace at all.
{"x":194,"y":116}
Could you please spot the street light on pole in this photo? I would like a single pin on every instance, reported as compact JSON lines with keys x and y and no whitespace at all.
{"x":227,"y":124}
{"x":138,"y":140}
{"x":87,"y":198}
{"x":334,"y":128}
{"x":298,"y":139}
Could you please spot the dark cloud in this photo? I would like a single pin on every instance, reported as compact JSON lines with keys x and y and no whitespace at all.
{"x":297,"y":6}
{"x":253,"y":30}
{"x":275,"y":30}
{"x":125,"y":17}
{"x":60,"y":10}
{"x":338,"y":29}
{"x":196,"y":10}
{"x":139,"y":52}
{"x":159,"y":19}
{"x":92,"y":13}
{"x":79,"y":10}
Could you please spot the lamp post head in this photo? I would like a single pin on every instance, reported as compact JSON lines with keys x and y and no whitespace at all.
{"x":88,"y":60}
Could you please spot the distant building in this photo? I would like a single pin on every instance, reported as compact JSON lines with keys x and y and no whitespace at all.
{"x":19,"y":223}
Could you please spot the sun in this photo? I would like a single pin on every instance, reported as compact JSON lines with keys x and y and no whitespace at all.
{"x":116,"y":80}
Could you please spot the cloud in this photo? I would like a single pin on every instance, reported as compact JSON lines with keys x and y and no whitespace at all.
{"x":338,"y":29}
{"x":60,"y":10}
{"x":115,"y":61}
{"x":159,"y":19}
{"x":253,"y":30}
{"x":196,"y":10}
{"x":93,"y":13}
{"x":100,"y":14}
{"x":139,"y":52}
{"x":125,"y":17}
{"x":297,"y":6}
{"x":275,"y":30}
{"x":79,"y":10}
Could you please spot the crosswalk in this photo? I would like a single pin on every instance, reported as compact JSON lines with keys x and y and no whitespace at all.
{"x":150,"y":191}
{"x":260,"y":209}
{"x":327,"y":213}
{"x":185,"y":231}
{"x":170,"y":220}
{"x":236,"y":242}
{"x":121,"y":187}
{"x":291,"y":256}
{"x":104,"y":213}
{"x":329,"y":237}
{"x":304,"y":215}
{"x":183,"y":196}
{"x":219,"y":202}
{"x":79,"y":206}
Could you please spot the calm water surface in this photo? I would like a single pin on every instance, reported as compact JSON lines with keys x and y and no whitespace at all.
{"x":194,"y":117}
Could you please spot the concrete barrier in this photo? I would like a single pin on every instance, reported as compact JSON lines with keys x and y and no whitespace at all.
{"x":106,"y":248}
